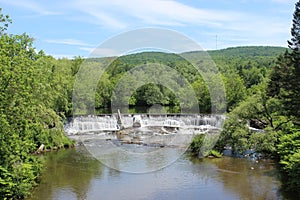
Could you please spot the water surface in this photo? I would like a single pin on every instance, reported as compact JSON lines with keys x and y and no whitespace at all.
{"x":74,"y":174}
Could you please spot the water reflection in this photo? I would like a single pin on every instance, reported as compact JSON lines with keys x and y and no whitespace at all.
{"x":252,"y":179}
{"x":67,"y":175}
{"x":249,"y":179}
{"x":73,"y":174}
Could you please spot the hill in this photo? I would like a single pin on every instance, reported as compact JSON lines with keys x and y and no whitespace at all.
{"x":249,"y":51}
{"x":240,"y":67}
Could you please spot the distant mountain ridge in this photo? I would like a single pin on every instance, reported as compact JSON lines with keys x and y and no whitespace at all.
{"x":250,"y":51}
{"x":244,"y":51}
{"x":231,"y":52}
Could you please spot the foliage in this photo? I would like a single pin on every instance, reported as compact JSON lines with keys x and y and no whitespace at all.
{"x":36,"y":94}
{"x":289,"y":152}
{"x":202,"y":145}
{"x":272,"y":105}
{"x":285,"y":77}
{"x":284,"y":86}
{"x":5,"y":21}
{"x":17,"y":181}
{"x":241,"y":68}
{"x":196,"y":143}
{"x":33,"y":102}
{"x":257,"y":111}
{"x":235,"y":90}
{"x":264,"y":142}
{"x":215,"y":154}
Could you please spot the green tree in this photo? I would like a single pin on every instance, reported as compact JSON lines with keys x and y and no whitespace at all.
{"x":202,"y":93}
{"x":28,"y":118}
{"x":103,"y":92}
{"x":289,"y":153}
{"x":286,"y":73}
{"x":259,"y":111}
{"x":235,"y":90}
{"x":5,"y":20}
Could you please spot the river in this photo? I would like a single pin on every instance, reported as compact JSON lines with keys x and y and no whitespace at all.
{"x":75,"y":174}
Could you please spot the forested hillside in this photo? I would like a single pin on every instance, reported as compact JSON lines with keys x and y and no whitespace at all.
{"x":37,"y":89}
{"x":240,"y":71}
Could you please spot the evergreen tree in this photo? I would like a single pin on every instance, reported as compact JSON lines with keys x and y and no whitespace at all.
{"x":284,"y":85}
{"x":285,"y":78}
{"x":294,"y":43}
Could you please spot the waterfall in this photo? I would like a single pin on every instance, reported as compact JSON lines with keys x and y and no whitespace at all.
{"x":198,"y":120}
{"x":86,"y":124}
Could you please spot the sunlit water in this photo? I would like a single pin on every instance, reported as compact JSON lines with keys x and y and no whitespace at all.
{"x":75,"y":174}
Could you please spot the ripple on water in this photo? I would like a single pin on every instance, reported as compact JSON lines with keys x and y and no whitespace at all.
{"x":74,"y":174}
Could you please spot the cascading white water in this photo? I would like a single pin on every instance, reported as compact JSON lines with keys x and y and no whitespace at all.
{"x":198,"y":120}
{"x":158,"y":134}
{"x":85,"y":124}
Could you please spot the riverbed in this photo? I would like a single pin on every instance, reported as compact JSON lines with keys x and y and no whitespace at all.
{"x":76,"y":174}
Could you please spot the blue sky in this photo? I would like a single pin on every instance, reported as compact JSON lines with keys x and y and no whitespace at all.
{"x":70,"y":28}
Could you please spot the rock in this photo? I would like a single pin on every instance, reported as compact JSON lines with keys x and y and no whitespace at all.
{"x":40,"y":149}
{"x":137,"y":121}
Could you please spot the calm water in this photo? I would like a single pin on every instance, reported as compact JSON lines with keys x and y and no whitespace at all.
{"x":74,"y":174}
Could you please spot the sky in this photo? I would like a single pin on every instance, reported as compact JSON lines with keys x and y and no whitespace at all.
{"x":71,"y":28}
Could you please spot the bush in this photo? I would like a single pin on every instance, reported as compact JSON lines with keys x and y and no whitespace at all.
{"x":215,"y":154}
{"x":17,"y":181}
{"x":289,"y":153}
{"x":196,"y":143}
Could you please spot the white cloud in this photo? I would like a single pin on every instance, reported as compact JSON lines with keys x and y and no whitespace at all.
{"x":108,"y":17}
{"x":68,"y":42}
{"x":152,"y":12}
{"x":102,"y":18}
{"x":100,"y":52}
{"x":30,"y":5}
{"x":178,"y":12}
{"x":88,"y":49}
{"x":119,"y":14}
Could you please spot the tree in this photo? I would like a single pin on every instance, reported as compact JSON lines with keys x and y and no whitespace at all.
{"x":289,"y":153}
{"x":294,"y":43}
{"x":235,"y":90}
{"x":258,"y":111}
{"x":284,"y":85}
{"x":29,"y":94}
{"x":203,"y":95}
{"x":285,"y":77}
{"x":5,"y":21}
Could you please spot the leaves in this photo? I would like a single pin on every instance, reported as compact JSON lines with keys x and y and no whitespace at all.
{"x":33,"y":98}
{"x":289,"y":152}
{"x":4,"y":22}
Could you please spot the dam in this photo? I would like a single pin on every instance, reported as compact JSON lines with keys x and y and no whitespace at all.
{"x":108,"y":123}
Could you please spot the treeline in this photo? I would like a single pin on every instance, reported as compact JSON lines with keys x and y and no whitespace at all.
{"x":239,"y":72}
{"x":37,"y":93}
{"x":35,"y":97}
{"x":273,"y":104}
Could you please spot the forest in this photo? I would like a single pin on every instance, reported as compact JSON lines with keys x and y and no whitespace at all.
{"x":261,"y":85}
{"x":239,"y":71}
